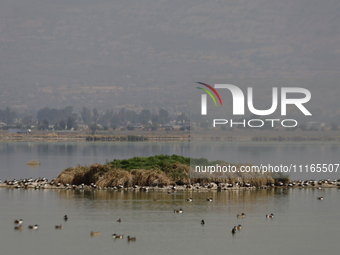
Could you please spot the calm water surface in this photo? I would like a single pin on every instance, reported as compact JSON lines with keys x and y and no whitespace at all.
{"x":55,"y":157}
{"x":301,"y":225}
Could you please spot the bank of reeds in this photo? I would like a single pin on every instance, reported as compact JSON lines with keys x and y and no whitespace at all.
{"x":158,"y":171}
{"x":33,"y":163}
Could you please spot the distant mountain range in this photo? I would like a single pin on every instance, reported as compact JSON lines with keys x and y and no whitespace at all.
{"x":147,"y":53}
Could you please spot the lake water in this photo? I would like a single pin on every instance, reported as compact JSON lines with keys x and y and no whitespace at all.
{"x":301,"y":224}
{"x":55,"y":157}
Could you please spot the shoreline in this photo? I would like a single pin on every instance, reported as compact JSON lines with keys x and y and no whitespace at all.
{"x":195,"y":187}
{"x":172,"y":136}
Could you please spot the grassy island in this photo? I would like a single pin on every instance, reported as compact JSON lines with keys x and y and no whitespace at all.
{"x":159,"y":170}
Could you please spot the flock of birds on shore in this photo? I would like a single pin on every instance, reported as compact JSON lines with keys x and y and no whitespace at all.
{"x":43,"y":183}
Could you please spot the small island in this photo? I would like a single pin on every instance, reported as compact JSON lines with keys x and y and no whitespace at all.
{"x":160,"y":171}
{"x":33,"y":163}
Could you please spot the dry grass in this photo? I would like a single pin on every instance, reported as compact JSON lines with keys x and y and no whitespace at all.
{"x":114,"y":178}
{"x":150,"y":178}
{"x":175,"y":173}
{"x":33,"y":163}
{"x":102,"y":176}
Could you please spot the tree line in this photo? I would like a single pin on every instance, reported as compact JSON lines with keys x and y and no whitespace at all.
{"x":66,"y":119}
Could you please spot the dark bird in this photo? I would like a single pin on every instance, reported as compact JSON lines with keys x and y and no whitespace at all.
{"x":202,"y":222}
{"x":18,"y":227}
{"x":65,"y":218}
{"x":131,"y":239}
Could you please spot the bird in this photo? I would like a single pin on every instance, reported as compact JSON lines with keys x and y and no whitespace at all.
{"x":18,"y":221}
{"x":117,"y":236}
{"x":33,"y":227}
{"x":239,"y":227}
{"x":270,"y":215}
{"x":95,"y":233}
{"x":178,"y":211}
{"x":233,"y":231}
{"x":131,"y":239}
{"x":119,"y":220}
{"x":18,"y":227}
{"x":59,"y":227}
{"x":65,"y":218}
{"x":320,"y":198}
{"x":202,"y":222}
{"x":242,"y":215}
{"x":188,"y":199}
{"x":209,"y":199}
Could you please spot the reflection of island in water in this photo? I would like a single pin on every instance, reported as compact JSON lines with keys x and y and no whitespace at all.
{"x":133,"y":200}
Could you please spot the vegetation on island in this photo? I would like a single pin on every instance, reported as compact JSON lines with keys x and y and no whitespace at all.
{"x":159,"y":170}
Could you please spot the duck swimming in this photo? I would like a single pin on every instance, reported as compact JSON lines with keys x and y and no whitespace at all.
{"x":18,"y":221}
{"x":117,"y":236}
{"x":18,"y":227}
{"x":242,"y":215}
{"x":131,"y":239}
{"x":33,"y":227}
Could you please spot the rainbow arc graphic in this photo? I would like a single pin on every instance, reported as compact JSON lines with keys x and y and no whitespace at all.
{"x":209,"y":93}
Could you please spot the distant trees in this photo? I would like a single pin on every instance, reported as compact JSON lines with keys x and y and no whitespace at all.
{"x":144,"y":116}
{"x":47,"y":115}
{"x":93,"y":128}
{"x":95,"y":115}
{"x":55,"y":115}
{"x":124,"y":117}
{"x":8,"y":116}
{"x":182,"y":117}
{"x":62,"y":124}
{"x":66,"y":119}
{"x":71,"y":123}
{"x":86,"y":115}
{"x":28,"y":121}
{"x":43,"y":125}
{"x":163,"y":116}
